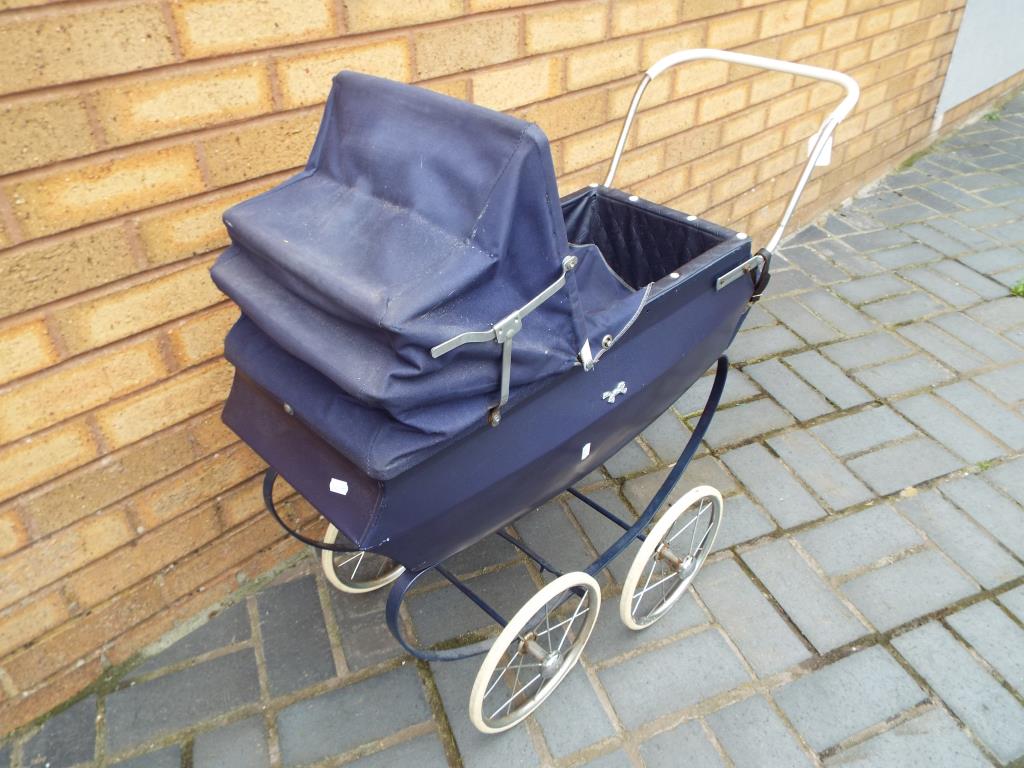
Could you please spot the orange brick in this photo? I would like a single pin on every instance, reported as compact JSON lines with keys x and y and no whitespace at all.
{"x":799,"y":45}
{"x":883,"y":45}
{"x":694,"y":143}
{"x":769,"y":85}
{"x":736,"y":183}
{"x":75,"y":387}
{"x":45,"y":47}
{"x":701,"y":76}
{"x":513,"y":86}
{"x":209,"y":433}
{"x":13,"y":536}
{"x":839,"y":32}
{"x":904,"y":13}
{"x":778,"y":18}
{"x":760,"y":146}
{"x":602,"y":63}
{"x":619,"y":99}
{"x":566,"y":26}
{"x":209,"y":27}
{"x":695,"y":201}
{"x":723,"y":101}
{"x":743,"y":125}
{"x":456,"y":87}
{"x":632,"y":16}
{"x":678,"y":38}
{"x":824,"y":10}
{"x":733,"y":31}
{"x":49,"y":560}
{"x":589,"y":147}
{"x":201,"y":337}
{"x":874,"y":22}
{"x":306,"y":78}
{"x":664,"y":121}
{"x":696,"y":9}
{"x":27,"y":348}
{"x":260,"y":147}
{"x":143,"y":557}
{"x":752,"y":199}
{"x":41,"y":130}
{"x":35,"y":274}
{"x":787,"y":107}
{"x":495,"y":5}
{"x":29,"y":621}
{"x":853,"y":55}
{"x":66,"y":198}
{"x":165,"y":404}
{"x":664,"y":186}
{"x":567,"y":114}
{"x":368,"y":15}
{"x":126,"y":312}
{"x":20,"y":710}
{"x":109,"y":480}
{"x":467,"y":44}
{"x":158,"y":106}
{"x":30,"y":462}
{"x":637,"y":165}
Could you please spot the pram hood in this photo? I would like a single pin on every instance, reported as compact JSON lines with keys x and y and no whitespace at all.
{"x":418,"y":217}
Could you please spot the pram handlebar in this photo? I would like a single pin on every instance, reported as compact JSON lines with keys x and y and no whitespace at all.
{"x":822,"y":138}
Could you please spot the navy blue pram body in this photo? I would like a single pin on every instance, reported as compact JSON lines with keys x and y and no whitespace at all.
{"x":419,"y":218}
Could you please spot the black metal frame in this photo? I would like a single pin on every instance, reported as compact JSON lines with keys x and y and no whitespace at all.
{"x":631,"y":532}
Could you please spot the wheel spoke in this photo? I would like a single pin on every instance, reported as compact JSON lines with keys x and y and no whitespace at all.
{"x":358,"y":563}
{"x":349,"y":560}
{"x":512,"y":698}
{"x":561,"y":623}
{"x":571,"y":620}
{"x":501,"y":674}
{"x":638,"y":595}
{"x":674,"y":535}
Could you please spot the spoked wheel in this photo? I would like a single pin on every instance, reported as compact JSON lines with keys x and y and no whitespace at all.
{"x":534,"y":652}
{"x":670,"y":557}
{"x":356,"y":571}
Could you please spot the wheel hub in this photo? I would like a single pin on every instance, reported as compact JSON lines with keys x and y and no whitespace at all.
{"x":551,"y":664}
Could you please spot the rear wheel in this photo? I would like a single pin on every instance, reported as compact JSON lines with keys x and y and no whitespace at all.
{"x":356,"y":572}
{"x":670,"y":557}
{"x":534,"y":652}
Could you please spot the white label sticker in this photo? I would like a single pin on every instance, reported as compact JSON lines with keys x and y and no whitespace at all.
{"x":339,"y":486}
{"x":585,"y":452}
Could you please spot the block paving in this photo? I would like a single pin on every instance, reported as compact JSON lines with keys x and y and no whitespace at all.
{"x":864,"y":604}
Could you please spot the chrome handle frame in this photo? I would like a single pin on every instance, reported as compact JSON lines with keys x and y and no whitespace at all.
{"x":824,"y":134}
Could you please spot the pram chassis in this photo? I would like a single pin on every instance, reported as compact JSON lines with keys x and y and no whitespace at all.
{"x":522,"y":636}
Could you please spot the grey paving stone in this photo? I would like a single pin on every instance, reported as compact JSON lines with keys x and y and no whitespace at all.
{"x":758,"y":343}
{"x":986,"y":707}
{"x":808,"y":234}
{"x":345,"y":718}
{"x":930,"y":199}
{"x":226,"y":628}
{"x":818,"y":267}
{"x":957,"y":272}
{"x":287,"y":611}
{"x":828,"y":379}
{"x":966,"y":235}
{"x":802,"y":321}
{"x":838,"y":313}
{"x":239,"y":745}
{"x":630,"y":460}
{"x":1014,"y":601}
{"x":934,"y":239}
{"x":867,"y":242}
{"x":667,"y":436}
{"x":896,"y":593}
{"x":603,"y":533}
{"x":788,"y":390}
{"x":705,"y":470}
{"x":992,"y":415}
{"x":168,"y":757}
{"x":858,"y":540}
{"x":1006,"y":383}
{"x":422,"y":752}
{"x":960,"y":538}
{"x":873,"y":288}
{"x":804,"y":595}
{"x":138,"y":713}
{"x":365,"y":637}
{"x":665,"y":749}
{"x":616,"y":759}
{"x":550,"y":533}
{"x":947,"y":349}
{"x":862,"y":431}
{"x":786,"y":281}
{"x":741,"y":521}
{"x":922,"y":742}
{"x":878,"y":347}
{"x":842,"y":699}
{"x":764,"y":639}
{"x":998,"y":514}
{"x":513,"y":748}
{"x":573,"y":718}
{"x":903,"y":214}
{"x":901,"y":309}
{"x":992,"y":260}
{"x":1009,"y":477}
{"x":996,"y":637}
{"x":947,"y":426}
{"x":742,"y":422}
{"x":672,"y":678}
{"x":5,"y":756}
{"x":66,"y":739}
{"x":906,"y":255}
{"x":770,"y":483}
{"x":820,"y":470}
{"x":901,"y":376}
{"x":738,"y":387}
{"x":612,"y":638}
{"x":903,"y":465}
{"x":978,"y":337}
{"x":445,"y":613}
{"x":942,"y":286}
{"x":754,"y":736}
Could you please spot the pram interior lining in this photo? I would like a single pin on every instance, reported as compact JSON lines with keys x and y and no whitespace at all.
{"x":640,"y":243}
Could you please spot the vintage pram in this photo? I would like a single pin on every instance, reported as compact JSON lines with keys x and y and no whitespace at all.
{"x":433,"y":344}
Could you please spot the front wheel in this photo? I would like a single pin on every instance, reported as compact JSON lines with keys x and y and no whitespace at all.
{"x":670,"y":557}
{"x":356,"y":572}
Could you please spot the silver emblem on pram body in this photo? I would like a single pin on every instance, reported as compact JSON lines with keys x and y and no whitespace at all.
{"x":620,"y":389}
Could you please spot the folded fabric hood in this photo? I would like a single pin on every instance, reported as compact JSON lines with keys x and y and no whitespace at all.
{"x":418,"y":217}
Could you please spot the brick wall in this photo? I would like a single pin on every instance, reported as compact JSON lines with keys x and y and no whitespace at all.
{"x":128,"y":126}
